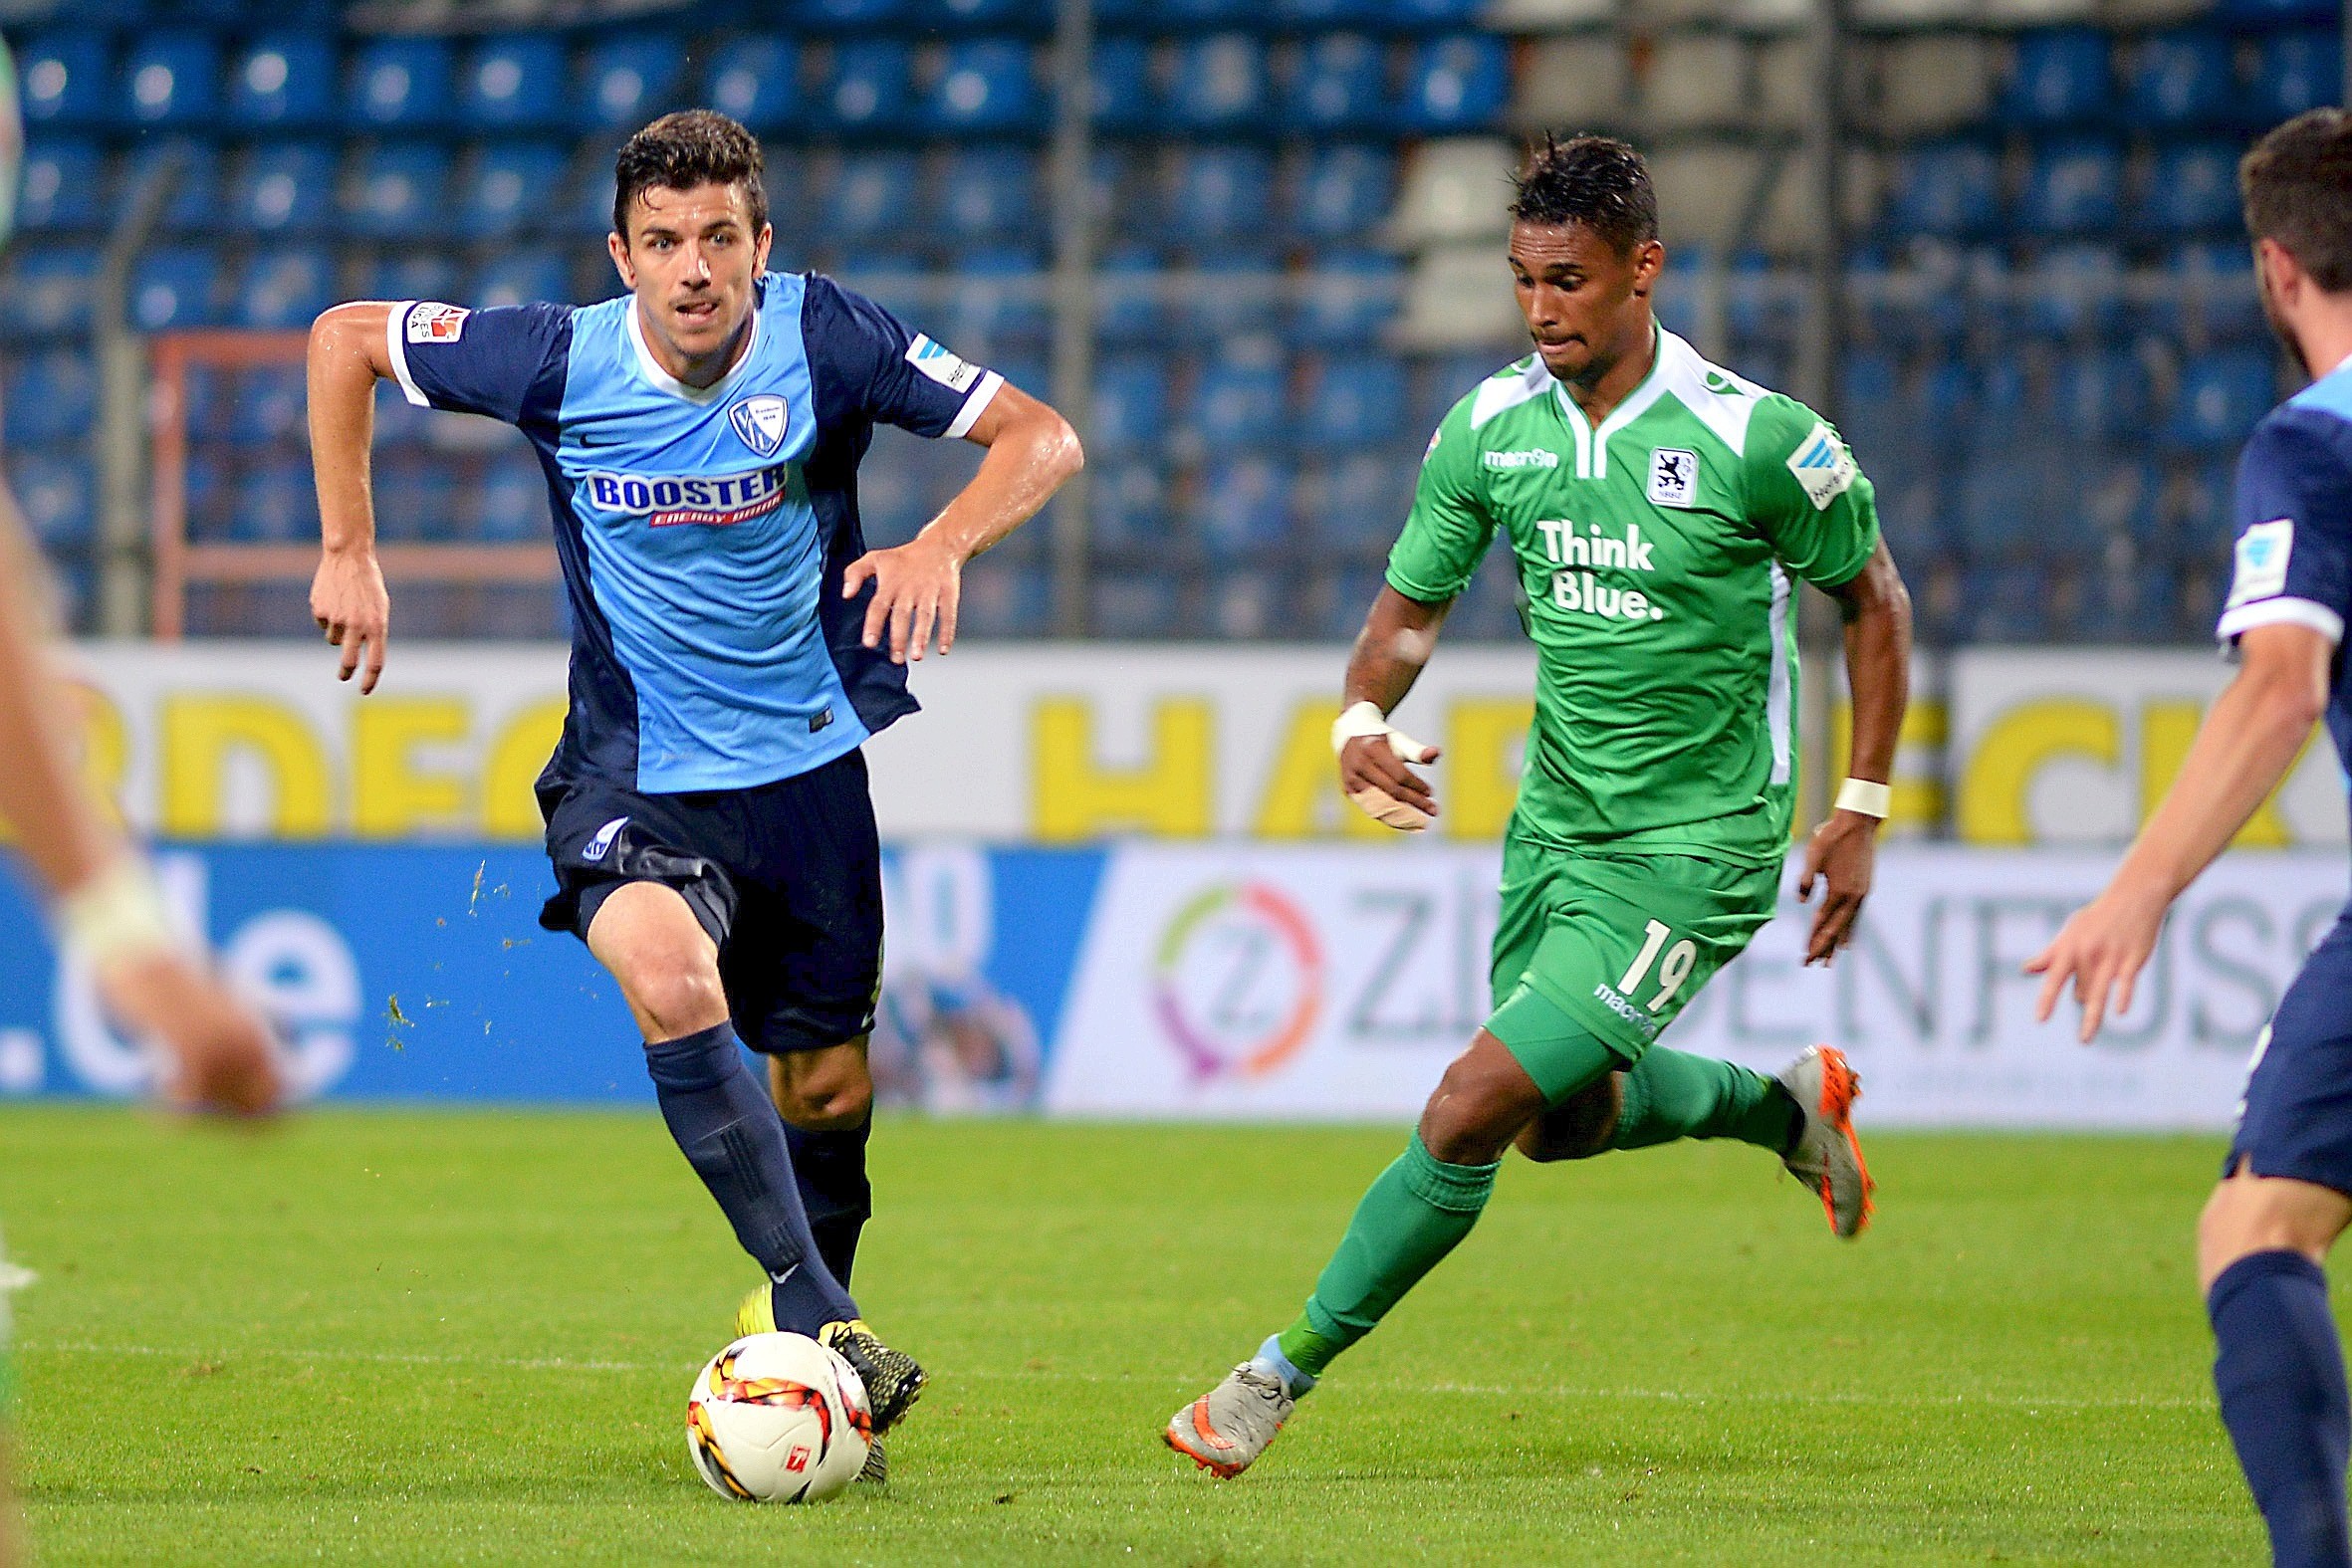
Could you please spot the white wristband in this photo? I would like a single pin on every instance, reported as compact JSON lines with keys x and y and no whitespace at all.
{"x":1865,"y":799}
{"x":115,"y":915}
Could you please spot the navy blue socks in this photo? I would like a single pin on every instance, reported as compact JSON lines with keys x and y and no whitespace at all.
{"x":2280,"y":1375}
{"x":830,"y":1167}
{"x":728,"y":1128}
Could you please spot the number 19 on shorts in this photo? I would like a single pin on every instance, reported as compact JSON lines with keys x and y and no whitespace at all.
{"x":1671,"y":974}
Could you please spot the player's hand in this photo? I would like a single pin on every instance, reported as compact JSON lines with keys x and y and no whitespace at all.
{"x":1841,"y":856}
{"x":349,"y":601}
{"x":222,"y":1056}
{"x":917,"y":586}
{"x":1373,"y":776}
{"x":2102,"y":949}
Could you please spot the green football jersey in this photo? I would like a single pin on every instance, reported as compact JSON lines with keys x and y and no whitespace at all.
{"x":1656,"y":553}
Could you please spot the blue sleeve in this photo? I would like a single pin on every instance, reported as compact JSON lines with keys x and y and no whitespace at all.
{"x":507,"y":363}
{"x":865,"y":360}
{"x":2295,"y":527}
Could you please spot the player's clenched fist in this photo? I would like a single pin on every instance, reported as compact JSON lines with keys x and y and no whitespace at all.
{"x":1372,"y":770}
{"x":916,"y":588}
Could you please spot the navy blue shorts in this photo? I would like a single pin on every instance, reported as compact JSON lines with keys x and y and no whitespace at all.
{"x":786,"y":877}
{"x":2297,"y":1118}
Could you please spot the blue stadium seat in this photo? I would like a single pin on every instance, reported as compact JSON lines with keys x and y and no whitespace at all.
{"x":1431,"y":15}
{"x":1127,"y":310}
{"x":51,"y":397}
{"x":1128,"y":504}
{"x":1132,"y":605}
{"x":1242,"y":507}
{"x":1200,"y":15}
{"x":285,"y":189}
{"x":985,"y":84}
{"x":2276,"y":13}
{"x":1343,"y":192}
{"x":1220,"y":83}
{"x":59,"y":499}
{"x":995,"y":15}
{"x":872,"y":195}
{"x":284,"y":81}
{"x":1220,"y":192}
{"x":2101,"y":397}
{"x":1119,"y":71}
{"x":1130,"y":405}
{"x":513,"y":502}
{"x":2192,"y":189}
{"x":758,"y":81}
{"x":515,"y":83}
{"x":1234,"y":295}
{"x":1341,"y":84}
{"x":175,"y":287}
{"x":2061,"y":77}
{"x":2003,"y":604}
{"x":275,"y":504}
{"x":2185,"y":81}
{"x":1355,"y":503}
{"x":1239,"y":403}
{"x":2294,"y":72}
{"x":268,"y":405}
{"x":62,"y":188}
{"x":526,"y":275}
{"x":2074,"y":288}
{"x":1006,"y":598}
{"x":400,"y":84}
{"x":284,"y":286}
{"x":1355,"y":402}
{"x":868,"y":87}
{"x":989,"y":193}
{"x":414,"y":275}
{"x":850,"y":15}
{"x":1346,"y":595}
{"x":2122,"y":491}
{"x":1315,"y":15}
{"x":48,"y":293}
{"x":415,"y":499}
{"x":2221,"y":394}
{"x":398,"y":191}
{"x":628,"y":78}
{"x":2127,"y":603}
{"x":1457,"y":84}
{"x":1347,"y":297}
{"x":507,"y":190}
{"x":65,"y":78}
{"x":195,"y":203}
{"x":2072,"y":187}
{"x":994,"y":299}
{"x":2214,"y":286}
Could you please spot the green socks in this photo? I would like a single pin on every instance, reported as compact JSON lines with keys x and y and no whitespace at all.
{"x":1670,"y":1094}
{"x":1414,"y":1214}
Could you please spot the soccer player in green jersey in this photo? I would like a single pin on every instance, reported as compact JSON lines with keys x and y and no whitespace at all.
{"x":1657,"y":507}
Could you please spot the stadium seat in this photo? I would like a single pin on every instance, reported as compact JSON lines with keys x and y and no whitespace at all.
{"x":989,"y":193}
{"x":399,"y":190}
{"x":1452,"y":192}
{"x":1121,"y":78}
{"x":866,"y":89}
{"x":1006,"y":598}
{"x":1457,"y":84}
{"x":63,"y":187}
{"x":985,"y":84}
{"x":2220,"y":396}
{"x":1220,"y":192}
{"x":2058,"y":78}
{"x":1343,"y":192}
{"x":175,"y":287}
{"x":1130,"y":405}
{"x":968,"y":15}
{"x":1220,"y":84}
{"x":276,"y":503}
{"x":872,"y":194}
{"x":1127,"y":505}
{"x":2214,"y":285}
{"x":1432,"y":16}
{"x":757,"y":80}
{"x":1355,"y":402}
{"x":996,"y":303}
{"x":1233,"y":294}
{"x":2183,"y":81}
{"x":66,"y":79}
{"x":288,"y":188}
{"x":1346,"y":298}
{"x":1346,"y":594}
{"x":1702,"y":189}
{"x":59,"y":499}
{"x":415,"y":499}
{"x":2101,"y":395}
{"x":1933,"y":84}
{"x":2072,"y":187}
{"x":284,"y":286}
{"x":51,"y":397}
{"x":515,"y":83}
{"x":508,"y":187}
{"x":268,"y":405}
{"x":848,"y":16}
{"x":1581,"y":79}
{"x":628,"y":78}
{"x":2138,"y":602}
{"x":2294,"y":72}
{"x":1311,"y":16}
{"x":1245,"y":602}
{"x":1239,"y":402}
{"x":1200,"y":15}
{"x":2192,"y":189}
{"x":400,"y":84}
{"x":1340,"y":85}
{"x":2072,"y":289}
{"x":1240,"y":506}
{"x":48,"y":293}
{"x":194,"y":204}
{"x":1132,"y":605}
{"x":2003,"y":604}
{"x":2276,"y":13}
{"x":511,"y":506}
{"x":1128,"y":306}
{"x":1354,"y":503}
{"x":523,"y":276}
{"x":415,"y":275}
{"x":1697,"y":82}
{"x":284,"y":81}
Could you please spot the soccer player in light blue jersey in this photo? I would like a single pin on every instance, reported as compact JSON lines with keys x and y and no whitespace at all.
{"x":2285,"y":1192}
{"x":735,"y":643}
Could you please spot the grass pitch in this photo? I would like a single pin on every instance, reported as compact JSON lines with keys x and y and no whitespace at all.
{"x":456,"y":1337}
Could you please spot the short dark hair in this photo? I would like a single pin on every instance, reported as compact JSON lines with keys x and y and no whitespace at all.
{"x":1593,"y":181}
{"x":695,"y":147}
{"x":2297,"y":187}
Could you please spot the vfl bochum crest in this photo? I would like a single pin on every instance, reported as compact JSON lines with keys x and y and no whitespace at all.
{"x":760,"y":421}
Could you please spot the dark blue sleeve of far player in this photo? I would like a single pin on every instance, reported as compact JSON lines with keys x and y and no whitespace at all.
{"x":2294,"y":526}
{"x":507,"y":361}
{"x":866,"y":365}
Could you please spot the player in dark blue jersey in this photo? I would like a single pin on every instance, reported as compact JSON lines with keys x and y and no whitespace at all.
{"x":733,"y":644}
{"x":2285,"y":1191}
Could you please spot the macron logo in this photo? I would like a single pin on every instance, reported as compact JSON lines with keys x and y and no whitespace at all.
{"x":1532,"y":459}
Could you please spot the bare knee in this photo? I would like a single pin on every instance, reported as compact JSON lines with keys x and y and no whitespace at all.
{"x":1480,"y":1105}
{"x":671,"y":1001}
{"x":1578,"y":1127}
{"x":2250,"y":1213}
{"x":667,"y":963}
{"x":824,"y":1090}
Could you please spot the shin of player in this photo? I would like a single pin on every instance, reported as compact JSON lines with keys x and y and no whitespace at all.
{"x":2285,"y":1192}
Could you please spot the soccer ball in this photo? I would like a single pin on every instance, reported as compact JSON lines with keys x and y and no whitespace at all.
{"x":778,"y":1417}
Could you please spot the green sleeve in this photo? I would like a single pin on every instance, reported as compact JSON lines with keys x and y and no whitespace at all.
{"x":1449,"y":527}
{"x":1807,"y":496}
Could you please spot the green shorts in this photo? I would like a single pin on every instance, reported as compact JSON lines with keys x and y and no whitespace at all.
{"x":1620,"y":942}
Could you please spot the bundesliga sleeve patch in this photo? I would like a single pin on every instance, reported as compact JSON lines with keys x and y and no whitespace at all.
{"x":431,"y":323}
{"x":1822,"y":465}
{"x":2263,"y":553}
{"x":957,"y":375}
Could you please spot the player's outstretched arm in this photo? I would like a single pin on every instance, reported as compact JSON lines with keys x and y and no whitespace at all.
{"x":1032,"y":451}
{"x":2242,"y":750}
{"x":1400,"y":635}
{"x":1843,"y":851}
{"x":348,"y":353}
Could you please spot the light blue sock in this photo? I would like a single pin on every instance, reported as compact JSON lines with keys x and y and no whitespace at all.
{"x":1269,"y":1358}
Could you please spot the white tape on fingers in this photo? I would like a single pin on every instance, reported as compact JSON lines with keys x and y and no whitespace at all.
{"x":1406,"y":748}
{"x":1386,"y":810}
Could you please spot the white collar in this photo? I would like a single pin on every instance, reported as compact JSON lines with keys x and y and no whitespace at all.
{"x":663,"y":381}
